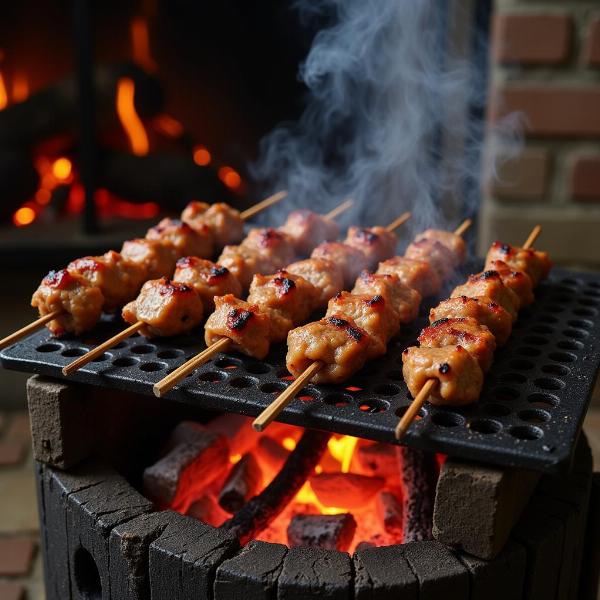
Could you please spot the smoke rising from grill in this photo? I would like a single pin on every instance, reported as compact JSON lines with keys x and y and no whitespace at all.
{"x":387,"y":117}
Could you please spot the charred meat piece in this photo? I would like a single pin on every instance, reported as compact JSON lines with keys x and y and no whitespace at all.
{"x":324,"y":274}
{"x":153,"y":257}
{"x":350,"y":260}
{"x":518,"y":281}
{"x":182,"y":239}
{"x":308,"y":229}
{"x":376,"y":243}
{"x":193,"y":212}
{"x":244,"y":263}
{"x":244,"y":324}
{"x":275,"y":245}
{"x":336,"y":341}
{"x":404,"y":300}
{"x":119,"y":279}
{"x":208,"y":279}
{"x":459,"y":375}
{"x":475,"y":338}
{"x":371,"y":313}
{"x":451,"y":240}
{"x":490,"y":285}
{"x":79,"y":302}
{"x":483,"y":310}
{"x":533,"y":262}
{"x":416,"y":274}
{"x":165,"y":307}
{"x":223,"y":221}
{"x":435,"y":253}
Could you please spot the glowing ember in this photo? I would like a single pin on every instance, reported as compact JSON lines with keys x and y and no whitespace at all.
{"x":24,"y":216}
{"x":131,"y":122}
{"x":230,"y":177}
{"x":140,"y":44}
{"x":168,"y":126}
{"x":235,"y":458}
{"x":202,"y":156}
{"x":20,"y":87}
{"x":3,"y":93}
{"x":289,"y":443}
{"x":61,"y":169}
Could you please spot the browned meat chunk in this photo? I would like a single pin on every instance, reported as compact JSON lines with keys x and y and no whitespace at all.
{"x":436,"y":254}
{"x":323,"y":274}
{"x":350,"y":260}
{"x":490,"y":285}
{"x":371,"y":313}
{"x":223,"y":221}
{"x":79,"y":302}
{"x":336,"y":341}
{"x":475,"y":338}
{"x":533,"y":262}
{"x":193,"y":213}
{"x":208,"y":279}
{"x":309,"y":229}
{"x":453,"y":242}
{"x":275,"y":245}
{"x":459,"y":376}
{"x":404,"y":300}
{"x":376,"y":243}
{"x":482,"y":309}
{"x":156,"y":259}
{"x":244,"y":324}
{"x":416,"y":274}
{"x":182,"y":239}
{"x":119,"y":279}
{"x":518,"y":281}
{"x":244,"y":263}
{"x":166,"y":308}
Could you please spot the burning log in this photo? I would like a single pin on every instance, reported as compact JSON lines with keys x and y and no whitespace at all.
{"x":389,"y":509}
{"x":271,"y":454}
{"x":208,"y":511}
{"x":419,"y":478}
{"x":195,"y":457}
{"x":345,"y":490}
{"x":259,"y":512}
{"x":244,"y":481}
{"x":331,"y":532}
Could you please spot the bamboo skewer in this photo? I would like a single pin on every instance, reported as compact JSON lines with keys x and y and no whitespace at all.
{"x":430,"y":385}
{"x":171,"y":380}
{"x":24,"y":331}
{"x":250,"y":212}
{"x":272,"y":411}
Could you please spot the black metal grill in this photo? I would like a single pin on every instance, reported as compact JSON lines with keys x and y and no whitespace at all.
{"x":529,"y":415}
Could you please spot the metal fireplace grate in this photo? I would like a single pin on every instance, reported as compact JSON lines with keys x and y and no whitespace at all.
{"x":529,"y":415}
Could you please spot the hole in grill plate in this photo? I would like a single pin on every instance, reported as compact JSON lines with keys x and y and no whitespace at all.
{"x":570,"y":345}
{"x":273,"y":387}
{"x":485,"y":426}
{"x":594,"y":284}
{"x":387,"y":389}
{"x":526,"y":432}
{"x":49,"y":347}
{"x":593,"y":293}
{"x":285,"y":375}
{"x":513,"y":378}
{"x":542,"y":329}
{"x":228,"y":363}
{"x":534,"y":416}
{"x":119,"y":345}
{"x":169,"y":353}
{"x":257,"y":368}
{"x":556,"y":370}
{"x":505,"y":393}
{"x":212,"y":376}
{"x":578,"y":334}
{"x":528,"y":351}
{"x":338,"y":399}
{"x":74,"y":352}
{"x":553,"y":308}
{"x":307,"y":395}
{"x":571,"y":281}
{"x":125,"y":361}
{"x":561,"y":298}
{"x":521,"y":364}
{"x":150,"y":367}
{"x":104,"y":356}
{"x":562,"y":357}
{"x":585,"y":312}
{"x":581,"y":323}
{"x":373,"y":406}
{"x":448,"y":419}
{"x":543,"y":400}
{"x":536,"y":340}
{"x":399,"y":412}
{"x":496,"y":410}
{"x":587,"y":302}
{"x":243,"y":382}
{"x":549,"y":383}
{"x":143,"y":349}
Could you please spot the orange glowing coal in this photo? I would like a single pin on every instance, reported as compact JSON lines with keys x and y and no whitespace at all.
{"x":20,"y":87}
{"x":130,"y":120}
{"x":230,"y":177}
{"x":202,"y":156}
{"x":61,"y":168}
{"x":24,"y":216}
{"x":3,"y":92}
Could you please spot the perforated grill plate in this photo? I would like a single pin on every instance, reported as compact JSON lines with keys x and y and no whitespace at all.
{"x":529,"y":415}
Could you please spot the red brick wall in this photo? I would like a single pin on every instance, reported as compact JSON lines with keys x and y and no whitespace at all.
{"x":545,"y":64}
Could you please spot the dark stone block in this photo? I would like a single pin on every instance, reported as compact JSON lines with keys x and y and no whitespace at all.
{"x":252,"y":574}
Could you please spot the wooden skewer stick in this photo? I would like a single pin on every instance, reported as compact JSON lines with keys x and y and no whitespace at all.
{"x":431,"y":384}
{"x":24,"y":331}
{"x":99,"y":350}
{"x":271,"y":412}
{"x":250,"y":212}
{"x":171,"y":380}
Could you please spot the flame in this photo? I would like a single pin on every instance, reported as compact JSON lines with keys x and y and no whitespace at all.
{"x":342,"y":449}
{"x":230,"y":177}
{"x":140,"y":44}
{"x":202,"y":156}
{"x":131,"y":122}
{"x":289,"y":443}
{"x":62,"y":168}
{"x":235,"y":458}
{"x":3,"y":93}
{"x":20,"y":87}
{"x":24,"y":216}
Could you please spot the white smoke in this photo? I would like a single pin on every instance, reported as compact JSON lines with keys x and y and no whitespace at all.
{"x":387,"y":103}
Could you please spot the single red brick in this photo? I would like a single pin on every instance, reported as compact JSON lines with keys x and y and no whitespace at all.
{"x":10,"y":590}
{"x":585,"y":178}
{"x":16,"y":555}
{"x":591,"y":49}
{"x":524,"y":176}
{"x":550,"y":110}
{"x":532,"y":38}
{"x":11,"y":453}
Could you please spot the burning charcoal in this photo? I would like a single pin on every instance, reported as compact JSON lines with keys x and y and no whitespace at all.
{"x":330,"y":532}
{"x":271,"y":454}
{"x":243,"y":482}
{"x":195,"y":457}
{"x":238,"y":431}
{"x":389,"y":509}
{"x":364,"y":546}
{"x":208,"y":511}
{"x":380,"y":460}
{"x":345,"y":490}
